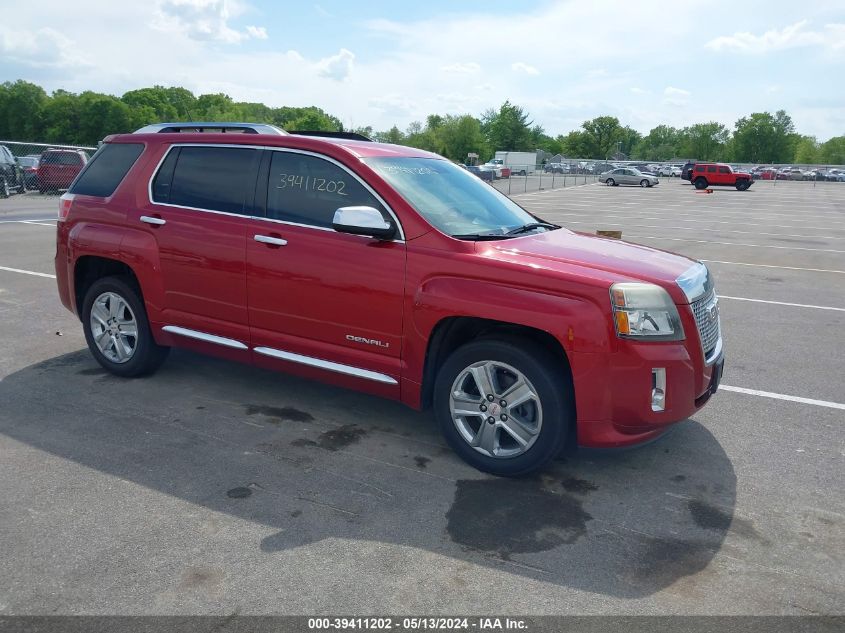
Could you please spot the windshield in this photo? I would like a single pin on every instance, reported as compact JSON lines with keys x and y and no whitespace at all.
{"x":453,"y":200}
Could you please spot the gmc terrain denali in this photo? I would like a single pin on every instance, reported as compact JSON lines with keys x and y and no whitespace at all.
{"x":388,"y":270}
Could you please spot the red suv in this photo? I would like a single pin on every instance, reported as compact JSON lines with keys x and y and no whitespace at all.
{"x":388,"y":270}
{"x":58,"y":167}
{"x":704,"y":175}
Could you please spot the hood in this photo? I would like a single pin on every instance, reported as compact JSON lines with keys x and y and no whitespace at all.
{"x":617,"y":260}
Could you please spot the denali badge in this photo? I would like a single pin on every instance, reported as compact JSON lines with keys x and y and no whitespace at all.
{"x":368,"y":341}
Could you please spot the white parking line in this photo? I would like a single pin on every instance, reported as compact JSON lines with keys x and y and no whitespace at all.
{"x":784,"y":248}
{"x":38,"y":223}
{"x":812,"y":270}
{"x":783,"y":303}
{"x":698,"y":228}
{"x":27,"y":272}
{"x":782,"y":396}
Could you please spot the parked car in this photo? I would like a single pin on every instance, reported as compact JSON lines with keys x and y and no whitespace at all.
{"x":764,"y":174}
{"x":706,"y":175}
{"x":11,"y":174}
{"x":686,"y":171}
{"x":556,"y":168}
{"x":477,"y":171}
{"x":519,"y":333}
{"x":628,"y":176}
{"x":29,"y":165}
{"x":58,"y":167}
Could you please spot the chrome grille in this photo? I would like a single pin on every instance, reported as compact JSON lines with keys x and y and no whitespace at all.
{"x":706,"y":311}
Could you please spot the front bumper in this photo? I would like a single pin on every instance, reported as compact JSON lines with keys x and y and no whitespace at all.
{"x":615,"y":392}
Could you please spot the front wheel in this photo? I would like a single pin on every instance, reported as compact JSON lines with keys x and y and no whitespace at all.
{"x":610,"y":182}
{"x":742,"y":185}
{"x":117,"y":330}
{"x":700,"y":183}
{"x":505,"y":407}
{"x":644,"y":183}
{"x":4,"y":188}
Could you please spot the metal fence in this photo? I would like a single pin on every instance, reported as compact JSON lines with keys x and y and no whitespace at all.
{"x":43,"y":167}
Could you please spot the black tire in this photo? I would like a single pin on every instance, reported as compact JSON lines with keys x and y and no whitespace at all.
{"x":522,"y":172}
{"x":700,"y":183}
{"x":742,"y":185}
{"x":550,"y":382}
{"x":147,"y":355}
{"x":645,"y":183}
{"x":610,"y":182}
{"x":4,"y":188}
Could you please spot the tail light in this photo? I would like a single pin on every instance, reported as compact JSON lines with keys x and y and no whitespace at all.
{"x":65,"y":203}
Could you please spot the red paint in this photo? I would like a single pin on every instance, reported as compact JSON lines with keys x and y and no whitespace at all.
{"x":324,"y":291}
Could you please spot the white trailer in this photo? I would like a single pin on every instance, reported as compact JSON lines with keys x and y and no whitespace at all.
{"x":520,"y":163}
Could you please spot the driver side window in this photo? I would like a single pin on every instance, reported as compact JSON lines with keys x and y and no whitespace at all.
{"x":305,"y":189}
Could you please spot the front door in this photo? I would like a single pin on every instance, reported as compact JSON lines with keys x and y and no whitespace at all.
{"x":323,"y":303}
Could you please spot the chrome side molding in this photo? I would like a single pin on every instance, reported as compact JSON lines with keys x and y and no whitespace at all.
{"x":339,"y":368}
{"x":202,"y":336}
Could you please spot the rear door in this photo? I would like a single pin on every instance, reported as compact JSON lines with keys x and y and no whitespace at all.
{"x":199,"y":197}
{"x":724,"y":177}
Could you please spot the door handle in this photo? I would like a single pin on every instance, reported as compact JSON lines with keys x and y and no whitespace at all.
{"x":273,"y":241}
{"x":151,"y":220}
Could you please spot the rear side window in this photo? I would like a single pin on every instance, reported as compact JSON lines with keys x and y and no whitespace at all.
{"x":61,"y":158}
{"x":724,"y":170}
{"x":212,"y":178}
{"x":105,"y":171}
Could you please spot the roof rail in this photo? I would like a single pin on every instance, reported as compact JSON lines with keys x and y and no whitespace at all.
{"x":211,"y":126}
{"x":350,"y":136}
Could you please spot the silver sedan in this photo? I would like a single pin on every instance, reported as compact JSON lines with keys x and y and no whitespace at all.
{"x":627,"y":176}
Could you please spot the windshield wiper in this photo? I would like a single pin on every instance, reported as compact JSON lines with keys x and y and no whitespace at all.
{"x":531,"y":226}
{"x":481,"y":237}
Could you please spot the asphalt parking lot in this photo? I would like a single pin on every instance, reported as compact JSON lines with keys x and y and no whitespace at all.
{"x":216,"y":488}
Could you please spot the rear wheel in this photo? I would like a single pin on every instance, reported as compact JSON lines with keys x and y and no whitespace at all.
{"x":117,"y":330}
{"x":610,"y":182}
{"x":700,"y":183}
{"x":504,"y":407}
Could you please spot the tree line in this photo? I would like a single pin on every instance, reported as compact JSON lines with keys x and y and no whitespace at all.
{"x":28,"y":113}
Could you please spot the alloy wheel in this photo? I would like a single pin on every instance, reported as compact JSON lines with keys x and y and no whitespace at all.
{"x":114,"y":327}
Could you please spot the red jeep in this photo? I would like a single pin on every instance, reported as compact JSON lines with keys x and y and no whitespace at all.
{"x":388,"y":270}
{"x":705,"y":175}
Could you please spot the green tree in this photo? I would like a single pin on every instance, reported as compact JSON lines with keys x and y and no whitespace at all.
{"x":832,"y":151}
{"x":154,"y":100}
{"x":21,"y":106}
{"x":806,"y":150}
{"x":101,"y":115}
{"x":704,"y":141}
{"x":661,"y":143}
{"x":393,"y":135}
{"x":764,"y":138}
{"x":509,"y":129}
{"x":61,"y":115}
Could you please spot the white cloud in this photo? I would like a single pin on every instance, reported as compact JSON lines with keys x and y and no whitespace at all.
{"x":204,"y":20}
{"x":461,"y":68}
{"x":40,"y":48}
{"x":640,"y":91}
{"x":257,"y":32}
{"x":337,"y":67}
{"x":792,"y":36}
{"x":525,"y":68}
{"x":676,"y":96}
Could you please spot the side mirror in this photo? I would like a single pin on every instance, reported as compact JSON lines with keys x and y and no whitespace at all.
{"x":363,"y":221}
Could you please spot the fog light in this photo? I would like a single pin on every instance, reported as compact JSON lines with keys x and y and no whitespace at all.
{"x":658,"y":389}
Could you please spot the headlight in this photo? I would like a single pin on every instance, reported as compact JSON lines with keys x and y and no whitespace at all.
{"x":645,"y":311}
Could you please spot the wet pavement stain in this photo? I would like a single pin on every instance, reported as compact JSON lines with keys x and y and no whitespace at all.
{"x":710,"y":517}
{"x":662,"y":561}
{"x":334,"y":439}
{"x":508,"y":516}
{"x":578,"y":486}
{"x":279,"y":414}
{"x":678,"y":478}
{"x":92,"y":371}
{"x":422,"y":462}
{"x":240,"y":492}
{"x":296,"y":513}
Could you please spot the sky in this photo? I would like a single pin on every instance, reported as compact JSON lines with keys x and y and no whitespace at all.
{"x":385,"y":63}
